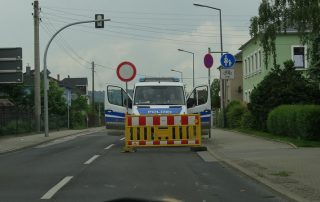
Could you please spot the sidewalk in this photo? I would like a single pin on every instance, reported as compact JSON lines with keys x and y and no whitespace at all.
{"x":294,"y":172}
{"x":12,"y":143}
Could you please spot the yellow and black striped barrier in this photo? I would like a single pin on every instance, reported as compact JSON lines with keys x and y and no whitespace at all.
{"x":162,"y":131}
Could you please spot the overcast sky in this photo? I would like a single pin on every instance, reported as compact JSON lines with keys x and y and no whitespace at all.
{"x":145,"y":32}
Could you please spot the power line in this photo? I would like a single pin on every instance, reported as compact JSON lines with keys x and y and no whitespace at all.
{"x":167,"y":29}
{"x":61,"y":9}
{"x":133,"y":26}
{"x":161,"y":38}
{"x":146,"y":19}
{"x":66,"y":44}
{"x":61,"y":46}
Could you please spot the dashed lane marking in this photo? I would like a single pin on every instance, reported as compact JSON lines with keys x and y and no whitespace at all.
{"x":108,"y":147}
{"x":91,"y":159}
{"x":56,"y":188}
{"x":122,"y":138}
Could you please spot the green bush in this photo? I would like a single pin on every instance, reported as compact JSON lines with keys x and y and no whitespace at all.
{"x":300,"y":121}
{"x":234,"y":112}
{"x":281,"y":86}
{"x":218,"y":119}
{"x":248,"y":120}
{"x":78,"y":120}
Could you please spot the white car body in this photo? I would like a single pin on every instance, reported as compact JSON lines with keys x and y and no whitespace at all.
{"x":198,"y":102}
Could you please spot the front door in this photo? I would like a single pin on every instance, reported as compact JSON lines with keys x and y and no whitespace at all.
{"x":199,"y":102}
{"x":116,"y":107}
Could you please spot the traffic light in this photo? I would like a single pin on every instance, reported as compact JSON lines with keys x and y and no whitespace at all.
{"x":99,"y":24}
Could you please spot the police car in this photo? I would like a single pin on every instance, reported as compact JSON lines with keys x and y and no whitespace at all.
{"x":156,"y":96}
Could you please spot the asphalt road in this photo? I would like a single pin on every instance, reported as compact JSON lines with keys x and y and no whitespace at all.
{"x":93,"y":168}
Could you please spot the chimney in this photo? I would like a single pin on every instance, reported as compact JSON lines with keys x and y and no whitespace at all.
{"x":58,"y":77}
{"x":28,"y":70}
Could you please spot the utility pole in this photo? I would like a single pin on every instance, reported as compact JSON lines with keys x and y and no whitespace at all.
{"x":37,"y":99}
{"x":92,"y":94}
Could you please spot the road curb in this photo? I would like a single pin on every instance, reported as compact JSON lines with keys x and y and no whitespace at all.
{"x":85,"y":131}
{"x":283,"y":192}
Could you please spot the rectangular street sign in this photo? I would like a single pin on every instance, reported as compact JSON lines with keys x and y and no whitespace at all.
{"x":11,"y":65}
{"x":14,"y":65}
{"x":11,"y":53}
{"x":227,"y":74}
{"x":11,"y":77}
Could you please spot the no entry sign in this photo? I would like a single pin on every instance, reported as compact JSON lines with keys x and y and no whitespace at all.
{"x":126,"y":71}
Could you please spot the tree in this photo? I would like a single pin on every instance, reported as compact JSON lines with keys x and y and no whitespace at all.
{"x":277,"y":16}
{"x":215,"y":88}
{"x":17,"y":93}
{"x":79,"y":111}
{"x":56,"y":102}
{"x":280,"y":86}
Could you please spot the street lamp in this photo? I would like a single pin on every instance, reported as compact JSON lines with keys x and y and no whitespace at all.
{"x":178,"y":72}
{"x":221,"y":50}
{"x":192,"y":63}
{"x":45,"y":76}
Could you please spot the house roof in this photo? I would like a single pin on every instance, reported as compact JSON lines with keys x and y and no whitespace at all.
{"x":71,"y":82}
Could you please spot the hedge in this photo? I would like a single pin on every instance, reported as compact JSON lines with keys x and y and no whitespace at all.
{"x":234,"y":112}
{"x":300,"y":121}
{"x":248,"y":120}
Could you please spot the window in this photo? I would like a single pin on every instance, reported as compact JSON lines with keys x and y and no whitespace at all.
{"x":199,"y":96}
{"x":117,"y":96}
{"x":249,"y":66}
{"x":260,"y":59}
{"x":159,"y":95}
{"x":256,"y":61}
{"x":298,"y":57}
{"x":245,"y":67}
{"x":252,"y":64}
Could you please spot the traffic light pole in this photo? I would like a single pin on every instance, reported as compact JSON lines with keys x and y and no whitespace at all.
{"x":45,"y":76}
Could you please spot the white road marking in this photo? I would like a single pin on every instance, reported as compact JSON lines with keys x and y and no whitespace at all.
{"x":56,"y":188}
{"x":206,"y":156}
{"x":108,"y":147}
{"x":91,"y":159}
{"x":122,"y":138}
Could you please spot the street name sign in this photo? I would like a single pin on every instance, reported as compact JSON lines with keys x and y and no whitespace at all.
{"x":227,"y":74}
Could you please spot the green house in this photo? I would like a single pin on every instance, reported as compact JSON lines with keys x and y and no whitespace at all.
{"x":288,"y":46}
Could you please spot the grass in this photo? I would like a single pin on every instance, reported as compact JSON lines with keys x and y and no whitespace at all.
{"x":281,"y":174}
{"x":295,"y":141}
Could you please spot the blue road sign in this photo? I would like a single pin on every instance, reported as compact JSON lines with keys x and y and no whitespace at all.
{"x":227,"y":60}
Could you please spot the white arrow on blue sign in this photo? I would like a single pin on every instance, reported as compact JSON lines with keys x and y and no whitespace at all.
{"x":227,"y":60}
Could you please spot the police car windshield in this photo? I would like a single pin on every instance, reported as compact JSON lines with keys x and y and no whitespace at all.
{"x":159,"y":95}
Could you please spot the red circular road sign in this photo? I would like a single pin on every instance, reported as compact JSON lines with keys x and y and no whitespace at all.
{"x":126,"y":71}
{"x":208,"y":60}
